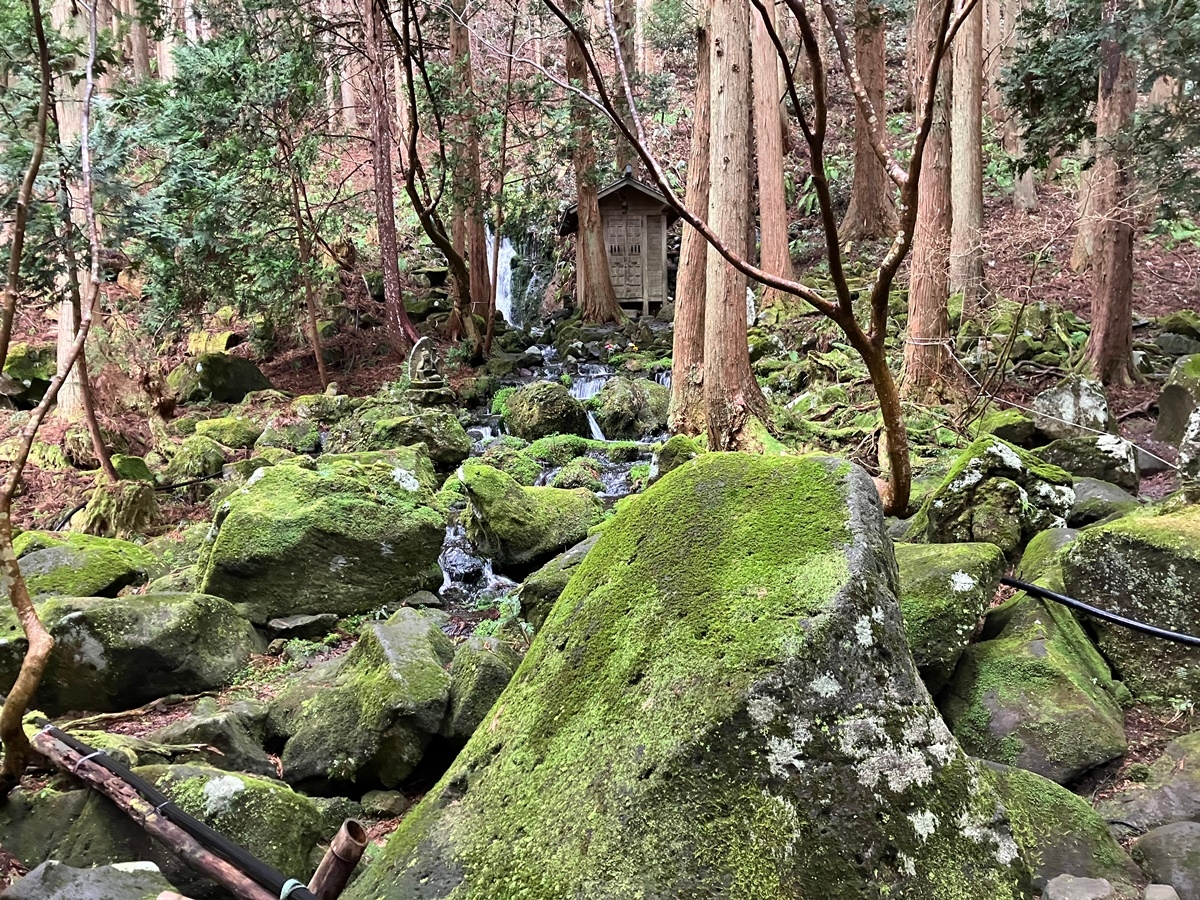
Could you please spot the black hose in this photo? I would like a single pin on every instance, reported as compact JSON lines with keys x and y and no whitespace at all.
{"x":1104,"y":615}
{"x":266,"y":876}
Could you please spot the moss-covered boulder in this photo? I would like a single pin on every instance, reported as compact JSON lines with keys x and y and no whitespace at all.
{"x":439,"y":430}
{"x":1189,"y":449}
{"x":1058,"y":832}
{"x":994,"y":493}
{"x":720,"y":704}
{"x":287,"y":432}
{"x":118,"y":653}
{"x":131,"y":468}
{"x":29,"y":368}
{"x":1105,"y":457}
{"x":481,"y":670}
{"x":1096,"y":500}
{"x":196,"y":457}
{"x":1171,"y":855}
{"x":1075,"y":407}
{"x":81,"y":565}
{"x":235,"y":732}
{"x":219,"y":376}
{"x":522,"y":527}
{"x":626,"y":409}
{"x":1144,"y":567}
{"x":540,"y":590}
{"x":1180,"y":395}
{"x":507,"y":454}
{"x":1035,"y":692}
{"x":944,"y":591}
{"x":673,"y":454}
{"x":1010,"y":425}
{"x":581,"y":472}
{"x":236,"y":432}
{"x":368,"y":718}
{"x":341,"y":534}
{"x":134,"y":880}
{"x":542,"y":409}
{"x":1169,"y":793}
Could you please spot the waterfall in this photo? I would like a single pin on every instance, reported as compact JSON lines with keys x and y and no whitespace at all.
{"x":664,"y":378}
{"x":502,"y":275}
{"x":588,"y":381}
{"x":597,"y":434}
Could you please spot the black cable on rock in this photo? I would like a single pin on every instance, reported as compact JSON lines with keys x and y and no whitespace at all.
{"x":1103,"y":614}
{"x":212,"y":840}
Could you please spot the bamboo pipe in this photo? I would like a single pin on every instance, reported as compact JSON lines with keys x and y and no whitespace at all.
{"x":345,"y":850}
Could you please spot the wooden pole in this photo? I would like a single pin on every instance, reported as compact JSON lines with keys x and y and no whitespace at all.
{"x":174,"y":838}
{"x":345,"y":850}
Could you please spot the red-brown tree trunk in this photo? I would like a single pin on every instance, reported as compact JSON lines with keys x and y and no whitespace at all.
{"x":966,"y":175}
{"x":871,"y":214}
{"x":593,"y":283}
{"x":926,"y":352}
{"x":768,"y":131}
{"x":732,"y":399}
{"x":1110,"y":344}
{"x":687,"y":360}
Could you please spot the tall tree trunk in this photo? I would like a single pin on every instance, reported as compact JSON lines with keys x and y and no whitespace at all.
{"x":687,"y":359}
{"x":401,"y":333}
{"x":732,"y":399}
{"x":871,"y":214}
{"x":768,"y":131}
{"x":993,"y":46}
{"x":625,"y":19}
{"x":593,"y":282}
{"x":926,"y":354}
{"x":139,"y":40}
{"x":1110,"y":344}
{"x":966,"y":163}
{"x":1083,"y":251}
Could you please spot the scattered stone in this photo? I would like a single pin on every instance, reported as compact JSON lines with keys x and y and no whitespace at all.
{"x":224,"y":378}
{"x":1177,"y":345}
{"x":70,"y":564}
{"x":1189,"y":448}
{"x":544,"y":408}
{"x":523,"y":527}
{"x":705,"y":670}
{"x":944,"y":591}
{"x":540,"y":590}
{"x":422,"y":599}
{"x":348,"y":535}
{"x":1104,"y":457}
{"x":1180,"y":395}
{"x":1171,"y":855}
{"x":201,"y":342}
{"x":120,"y":881}
{"x":481,"y":671}
{"x":1144,"y":567}
{"x":334,"y":811}
{"x":1183,"y":321}
{"x":1169,"y":792}
{"x":1075,"y":407}
{"x":581,"y":472}
{"x":236,"y":733}
{"x":994,"y":493}
{"x":1069,"y":887}
{"x":120,"y":653}
{"x":1058,"y":831}
{"x":121,"y":509}
{"x":304,"y":627}
{"x":1160,"y":892}
{"x":131,"y":468}
{"x":367,"y":717}
{"x":630,"y":410}
{"x":1098,"y":500}
{"x":385,"y":804}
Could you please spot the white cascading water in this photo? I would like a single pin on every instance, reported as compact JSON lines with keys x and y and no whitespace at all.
{"x":597,"y":434}
{"x":588,"y":380}
{"x":503,"y":275}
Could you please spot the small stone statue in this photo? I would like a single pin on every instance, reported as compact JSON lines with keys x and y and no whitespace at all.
{"x":426,"y":386}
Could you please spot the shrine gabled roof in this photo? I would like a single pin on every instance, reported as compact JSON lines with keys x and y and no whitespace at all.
{"x":570,"y":217}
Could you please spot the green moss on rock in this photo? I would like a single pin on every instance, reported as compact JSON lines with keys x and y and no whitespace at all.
{"x":438,"y":430}
{"x":1010,"y":425}
{"x":82,"y":565}
{"x":581,"y":472}
{"x":196,"y":457}
{"x":224,"y":378}
{"x":626,"y":409}
{"x":481,"y":671}
{"x":237,"y":432}
{"x":131,"y":468}
{"x":522,"y":527}
{"x":544,"y":408}
{"x":341,"y":534}
{"x":719,"y":704}
{"x":507,"y":455}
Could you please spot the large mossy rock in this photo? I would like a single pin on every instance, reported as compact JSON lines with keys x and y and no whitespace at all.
{"x":944,"y":591}
{"x":29,"y":368}
{"x":237,"y":432}
{"x":82,"y":565}
{"x":1035,"y":692}
{"x":626,"y":409}
{"x":81,"y":828}
{"x":1058,"y":832}
{"x":544,"y":408}
{"x":720,"y":704}
{"x":522,"y":527}
{"x":439,"y":430}
{"x":1170,"y":792}
{"x":368,"y":718}
{"x":1105,"y":457}
{"x":1075,"y":407}
{"x":342,"y":534}
{"x":52,"y":880}
{"x":481,"y":670}
{"x":1097,"y":500}
{"x":994,"y":493}
{"x":224,"y":378}
{"x":119,"y":653}
{"x":1144,"y":567}
{"x":1180,"y":395}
